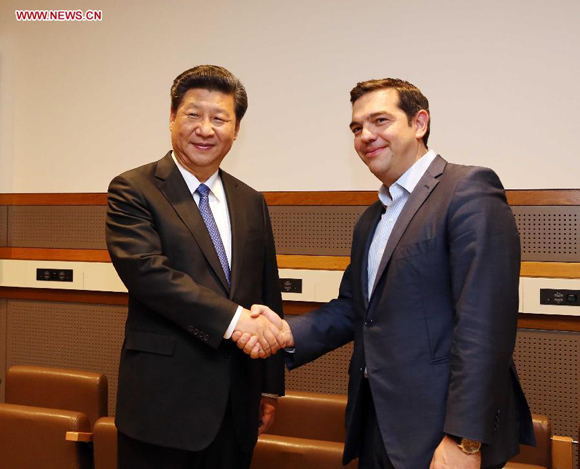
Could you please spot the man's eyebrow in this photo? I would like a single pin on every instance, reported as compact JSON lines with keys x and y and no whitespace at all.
{"x":370,"y":116}
{"x":214,"y":107}
{"x":379,"y":113}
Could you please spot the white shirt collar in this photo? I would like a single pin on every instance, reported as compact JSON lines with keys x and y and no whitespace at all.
{"x":408,"y":180}
{"x":214,"y":182}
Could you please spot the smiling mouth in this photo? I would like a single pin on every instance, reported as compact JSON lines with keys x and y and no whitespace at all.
{"x":373,"y":152}
{"x":203,"y":146}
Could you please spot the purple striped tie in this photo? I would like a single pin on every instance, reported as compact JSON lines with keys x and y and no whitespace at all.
{"x":212,"y":228}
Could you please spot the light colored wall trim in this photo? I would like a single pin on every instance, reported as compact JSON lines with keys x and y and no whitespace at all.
{"x":530,"y":300}
{"x":90,"y":276}
{"x":317,"y":285}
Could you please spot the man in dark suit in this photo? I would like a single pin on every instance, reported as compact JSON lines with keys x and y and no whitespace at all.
{"x":194,"y":247}
{"x":430,"y":299}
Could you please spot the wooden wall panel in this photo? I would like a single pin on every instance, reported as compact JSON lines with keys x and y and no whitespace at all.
{"x":549,"y":371}
{"x":66,"y":335}
{"x":515,"y":197}
{"x":53,"y":199}
{"x":3,"y":367}
{"x":76,"y":227}
{"x":43,"y":254}
{"x":309,"y":262}
{"x":548,"y":197}
{"x":3,"y":225}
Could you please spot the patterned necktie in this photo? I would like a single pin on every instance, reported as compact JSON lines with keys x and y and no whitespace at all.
{"x":212,"y":228}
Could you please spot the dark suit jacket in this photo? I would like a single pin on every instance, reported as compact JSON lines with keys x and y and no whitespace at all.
{"x":438,"y":332}
{"x":177,"y":372}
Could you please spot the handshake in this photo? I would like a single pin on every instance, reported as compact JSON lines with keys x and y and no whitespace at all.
{"x":260,"y":332}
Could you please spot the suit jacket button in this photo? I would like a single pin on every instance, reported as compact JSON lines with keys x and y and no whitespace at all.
{"x":369,"y":322}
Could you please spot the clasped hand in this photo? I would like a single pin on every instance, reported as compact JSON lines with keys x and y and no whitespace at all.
{"x":261,"y":332}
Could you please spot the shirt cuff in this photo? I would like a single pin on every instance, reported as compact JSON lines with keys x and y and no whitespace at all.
{"x":273,"y":396}
{"x":232,"y":327}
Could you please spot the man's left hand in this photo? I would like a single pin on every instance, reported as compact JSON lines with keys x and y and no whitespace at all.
{"x":268,"y":406}
{"x":449,"y":456}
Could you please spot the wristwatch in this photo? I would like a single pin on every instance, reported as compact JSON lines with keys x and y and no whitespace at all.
{"x":466,"y":445}
{"x":469,"y":446}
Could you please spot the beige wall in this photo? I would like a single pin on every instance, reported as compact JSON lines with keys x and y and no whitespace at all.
{"x":81,"y":102}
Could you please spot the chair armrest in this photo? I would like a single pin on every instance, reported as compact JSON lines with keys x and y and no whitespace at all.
{"x":324,"y":414}
{"x":58,"y":388}
{"x":81,"y":437}
{"x":562,"y":452}
{"x":34,"y":437}
{"x":105,"y":443}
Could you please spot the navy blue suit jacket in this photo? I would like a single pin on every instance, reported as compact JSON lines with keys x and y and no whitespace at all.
{"x":437,"y":334}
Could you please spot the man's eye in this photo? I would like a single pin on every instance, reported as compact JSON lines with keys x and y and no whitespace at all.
{"x":381,"y":120}
{"x":191,"y":114}
{"x":355,"y":130}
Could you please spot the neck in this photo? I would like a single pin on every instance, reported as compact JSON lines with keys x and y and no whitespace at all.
{"x":202,"y":174}
{"x":389,"y":179}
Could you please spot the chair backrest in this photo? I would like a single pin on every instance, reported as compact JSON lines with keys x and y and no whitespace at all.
{"x":105,"y":443}
{"x":57,"y":388}
{"x":34,"y":437}
{"x":311,"y":415}
{"x":541,"y":454}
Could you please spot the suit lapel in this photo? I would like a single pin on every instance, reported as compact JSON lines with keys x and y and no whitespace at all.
{"x":368,"y":226}
{"x":422,"y":190}
{"x":174,"y":188}
{"x":238,"y":219}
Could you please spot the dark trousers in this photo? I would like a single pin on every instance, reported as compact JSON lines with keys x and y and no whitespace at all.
{"x":223,"y":453}
{"x":373,"y":454}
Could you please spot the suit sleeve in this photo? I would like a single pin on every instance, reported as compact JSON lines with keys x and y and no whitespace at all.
{"x":138,"y":256}
{"x":484,"y":253}
{"x":273,"y":367}
{"x":325,"y":329}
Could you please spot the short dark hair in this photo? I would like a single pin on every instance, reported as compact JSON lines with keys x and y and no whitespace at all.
{"x":411,"y":100}
{"x":211,"y":78}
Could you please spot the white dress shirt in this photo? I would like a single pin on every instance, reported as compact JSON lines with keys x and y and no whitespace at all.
{"x":394,"y":199}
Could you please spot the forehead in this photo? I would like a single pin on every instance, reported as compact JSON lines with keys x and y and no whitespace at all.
{"x":201,"y":97}
{"x":385,"y":100}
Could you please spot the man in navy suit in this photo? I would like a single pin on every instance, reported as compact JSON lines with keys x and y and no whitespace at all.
{"x":430,"y":299}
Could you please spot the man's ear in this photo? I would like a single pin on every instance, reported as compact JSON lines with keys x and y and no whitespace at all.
{"x":237,"y":129}
{"x":421,"y":123}
{"x":171,"y":118}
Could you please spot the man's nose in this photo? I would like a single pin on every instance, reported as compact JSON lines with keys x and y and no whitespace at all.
{"x":366,"y":135}
{"x":205,"y":128}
